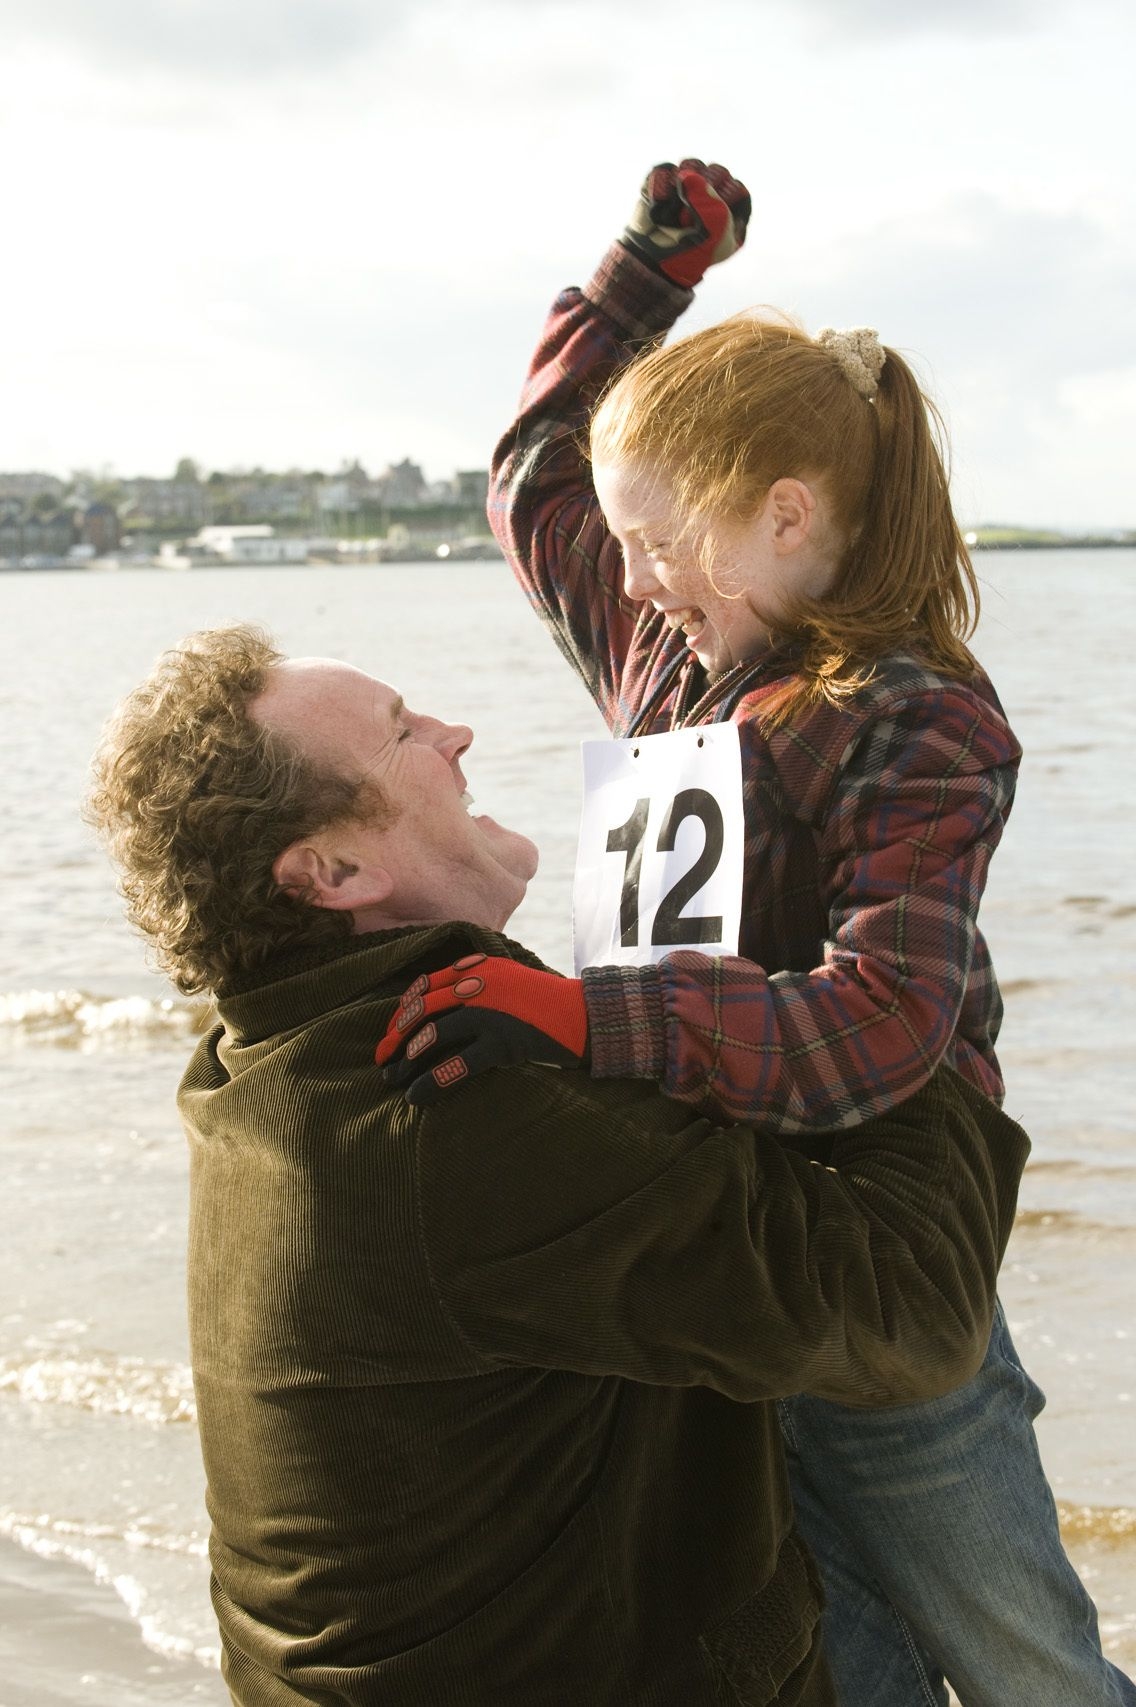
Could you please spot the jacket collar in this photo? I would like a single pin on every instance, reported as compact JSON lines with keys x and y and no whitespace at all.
{"x":296,"y":989}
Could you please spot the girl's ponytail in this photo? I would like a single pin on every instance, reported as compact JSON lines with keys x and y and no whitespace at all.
{"x":905,"y":580}
{"x":909,"y":556}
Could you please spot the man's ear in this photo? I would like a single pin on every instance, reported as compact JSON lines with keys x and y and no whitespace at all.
{"x":790,"y":507}
{"x":320,"y":877}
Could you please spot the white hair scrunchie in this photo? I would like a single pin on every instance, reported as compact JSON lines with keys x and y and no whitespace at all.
{"x":860,"y":354}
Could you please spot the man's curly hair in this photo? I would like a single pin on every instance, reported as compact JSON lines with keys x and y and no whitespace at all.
{"x":195,"y":799}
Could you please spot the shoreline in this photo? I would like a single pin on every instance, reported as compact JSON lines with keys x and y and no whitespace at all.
{"x":66,"y":1638}
{"x":428,"y":558}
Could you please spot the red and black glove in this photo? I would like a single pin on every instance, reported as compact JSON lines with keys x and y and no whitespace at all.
{"x":481,"y":1012}
{"x":689,"y":217}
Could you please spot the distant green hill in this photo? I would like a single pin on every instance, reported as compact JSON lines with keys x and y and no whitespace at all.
{"x":998,"y":538}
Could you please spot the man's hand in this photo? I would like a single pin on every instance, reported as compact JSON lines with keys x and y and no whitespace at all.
{"x":481,"y":1012}
{"x":689,"y":217}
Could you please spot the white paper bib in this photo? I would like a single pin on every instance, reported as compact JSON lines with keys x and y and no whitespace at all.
{"x":662,"y":847}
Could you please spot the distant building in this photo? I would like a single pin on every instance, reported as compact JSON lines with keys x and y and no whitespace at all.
{"x":40,"y":528}
{"x":283,"y":497}
{"x":348,"y":491}
{"x":251,"y":543}
{"x":402,"y":486}
{"x":335,"y":497}
{"x":100,"y":528}
{"x":471,"y":486}
{"x":165,"y":501}
{"x":30,"y":485}
{"x":240,"y":497}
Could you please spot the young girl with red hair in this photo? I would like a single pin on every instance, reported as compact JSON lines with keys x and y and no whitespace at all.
{"x":759,"y":534}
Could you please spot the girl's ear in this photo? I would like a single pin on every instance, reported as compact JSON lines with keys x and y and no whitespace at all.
{"x":790,"y":507}
{"x":323,"y":879}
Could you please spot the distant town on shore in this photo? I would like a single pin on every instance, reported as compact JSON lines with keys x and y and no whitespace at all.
{"x":255,"y":516}
{"x":241,"y":516}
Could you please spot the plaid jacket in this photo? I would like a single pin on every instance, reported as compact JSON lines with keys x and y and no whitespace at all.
{"x":869,"y":825}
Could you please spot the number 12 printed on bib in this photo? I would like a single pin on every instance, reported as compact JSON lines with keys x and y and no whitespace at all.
{"x":662,"y":845}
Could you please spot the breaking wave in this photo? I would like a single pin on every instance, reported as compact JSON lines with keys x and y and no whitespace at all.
{"x":1115,"y":1523}
{"x":73,"y":1019}
{"x":108,"y":1555}
{"x":23,"y":1527}
{"x":111,"y":1386}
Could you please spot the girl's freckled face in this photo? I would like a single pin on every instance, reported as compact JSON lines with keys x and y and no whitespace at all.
{"x":713,"y":583}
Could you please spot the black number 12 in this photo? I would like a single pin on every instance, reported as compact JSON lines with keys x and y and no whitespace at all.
{"x":670,"y":927}
{"x":628,"y":839}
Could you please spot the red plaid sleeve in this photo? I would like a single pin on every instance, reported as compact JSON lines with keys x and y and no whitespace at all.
{"x":542,"y":507}
{"x":911,"y":820}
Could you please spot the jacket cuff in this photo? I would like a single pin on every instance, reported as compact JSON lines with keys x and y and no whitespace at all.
{"x":641,"y":301}
{"x":626,"y":1030}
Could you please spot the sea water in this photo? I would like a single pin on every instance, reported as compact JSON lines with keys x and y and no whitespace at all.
{"x":99,"y":1466}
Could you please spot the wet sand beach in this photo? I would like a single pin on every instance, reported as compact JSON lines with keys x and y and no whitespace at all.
{"x":66,"y":1638}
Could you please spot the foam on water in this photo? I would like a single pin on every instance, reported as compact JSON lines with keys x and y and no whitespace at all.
{"x":103,"y":1552}
{"x":1063,"y":1221}
{"x":111,"y":1386}
{"x":25,"y":1527}
{"x":73,"y":1019}
{"x":1098,"y":1523}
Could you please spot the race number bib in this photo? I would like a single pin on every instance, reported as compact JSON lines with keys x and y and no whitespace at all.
{"x":662,"y":844}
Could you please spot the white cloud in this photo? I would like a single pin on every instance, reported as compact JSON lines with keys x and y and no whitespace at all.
{"x":341,"y":240}
{"x":260,"y":38}
{"x":212,"y":38}
{"x":901,"y":18}
{"x":1104,"y":400}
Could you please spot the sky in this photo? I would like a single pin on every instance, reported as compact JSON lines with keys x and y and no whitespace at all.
{"x":297,"y":232}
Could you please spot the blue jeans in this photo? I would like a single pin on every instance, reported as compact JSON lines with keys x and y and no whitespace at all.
{"x":937,"y":1539}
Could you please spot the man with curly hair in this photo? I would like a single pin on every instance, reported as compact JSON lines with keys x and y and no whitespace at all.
{"x":485,"y":1388}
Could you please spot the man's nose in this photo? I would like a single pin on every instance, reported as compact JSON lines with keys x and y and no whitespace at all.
{"x":452,"y":739}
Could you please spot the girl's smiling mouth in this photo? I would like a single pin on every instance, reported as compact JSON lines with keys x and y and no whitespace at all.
{"x":687,"y":617}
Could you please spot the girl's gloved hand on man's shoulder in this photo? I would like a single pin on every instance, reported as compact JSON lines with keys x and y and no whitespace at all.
{"x":483,"y":1011}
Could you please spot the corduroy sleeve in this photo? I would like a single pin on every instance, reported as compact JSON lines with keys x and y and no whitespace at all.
{"x":593,"y":1228}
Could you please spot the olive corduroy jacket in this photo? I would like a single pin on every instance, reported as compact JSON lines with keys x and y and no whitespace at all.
{"x":484,"y":1389}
